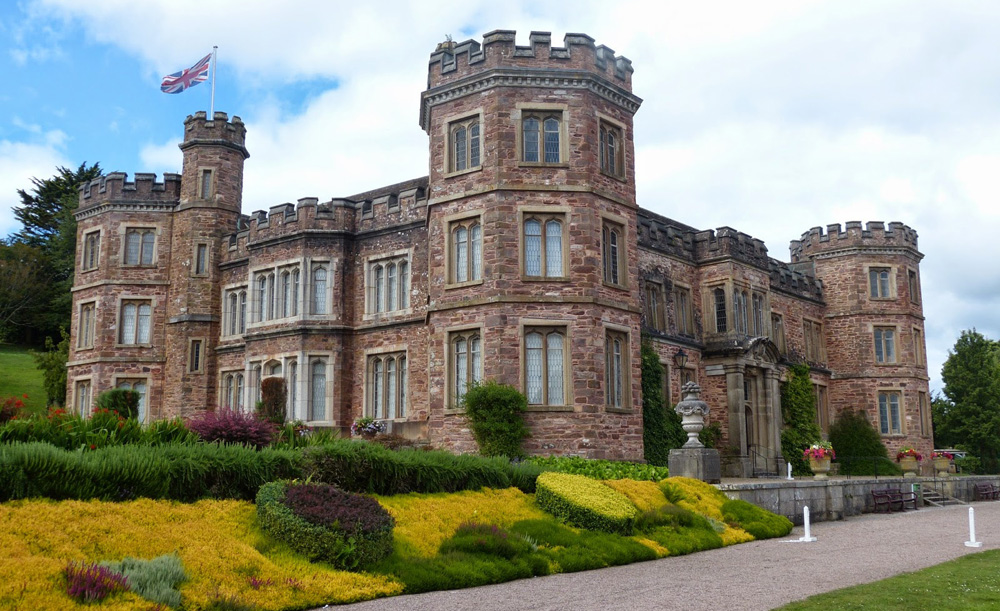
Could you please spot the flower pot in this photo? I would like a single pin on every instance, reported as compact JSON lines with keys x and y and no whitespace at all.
{"x":820,"y":467}
{"x":909,"y":466}
{"x":941,"y":465}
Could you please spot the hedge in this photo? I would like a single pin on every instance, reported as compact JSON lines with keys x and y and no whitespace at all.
{"x":601,"y":469}
{"x":585,"y":502}
{"x":344,"y":542}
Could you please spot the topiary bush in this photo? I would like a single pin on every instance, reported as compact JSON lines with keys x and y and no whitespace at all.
{"x":347,"y":530}
{"x":232,"y":426}
{"x":585,"y":502}
{"x":274,"y":397}
{"x":600,"y":469}
{"x":758,"y":522}
{"x":859,"y":447}
{"x":496,"y":417}
{"x":123,"y":401}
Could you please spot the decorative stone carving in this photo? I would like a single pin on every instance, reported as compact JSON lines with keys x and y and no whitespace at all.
{"x":693,"y":412}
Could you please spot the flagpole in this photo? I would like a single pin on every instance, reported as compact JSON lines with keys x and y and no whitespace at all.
{"x":211,"y":114}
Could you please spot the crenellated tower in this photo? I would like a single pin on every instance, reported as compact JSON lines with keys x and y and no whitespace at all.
{"x":874,"y":325}
{"x":533,"y":268}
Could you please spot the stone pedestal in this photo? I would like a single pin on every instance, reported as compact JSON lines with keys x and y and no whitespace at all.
{"x":696,"y":463}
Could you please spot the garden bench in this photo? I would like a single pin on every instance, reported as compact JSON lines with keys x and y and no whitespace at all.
{"x":892,"y":499}
{"x":985,"y":491}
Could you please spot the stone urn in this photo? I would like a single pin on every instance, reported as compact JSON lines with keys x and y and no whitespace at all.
{"x":909,"y":465}
{"x":942,"y":465}
{"x":693,"y":412}
{"x":820,"y":467}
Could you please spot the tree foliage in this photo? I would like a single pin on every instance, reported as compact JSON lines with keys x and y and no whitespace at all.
{"x":496,"y":417}
{"x":858,"y":446}
{"x":661,"y":426}
{"x":798,"y":409}
{"x":21,"y":276}
{"x":52,"y":364}
{"x":969,"y":414}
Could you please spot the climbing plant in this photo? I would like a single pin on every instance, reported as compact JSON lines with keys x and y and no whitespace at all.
{"x":798,"y":408}
{"x":661,"y":426}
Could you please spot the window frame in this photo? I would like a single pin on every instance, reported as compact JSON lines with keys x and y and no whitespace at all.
{"x":913,"y":285}
{"x":541,"y":112}
{"x":617,"y":373}
{"x":90,"y":259}
{"x":83,"y":388}
{"x":815,"y":340}
{"x":120,"y":332}
{"x":777,"y":332}
{"x":614,"y":257}
{"x":209,"y":174}
{"x":608,"y":127}
{"x":885,"y":344}
{"x":889,"y":286}
{"x":822,"y":394}
{"x":142,"y":231}
{"x":201,"y":260}
{"x":719,"y":309}
{"x":376,"y":395}
{"x":925,"y":414}
{"x":919,"y":357}
{"x":886,"y":428}
{"x":473,"y":372}
{"x":86,"y":329}
{"x":654,"y":306}
{"x":545,"y":328}
{"x":451,"y":162}
{"x":377,"y":284}
{"x":683,"y":312}
{"x":544,"y":215}
{"x":451,"y":226}
{"x":196,"y":355}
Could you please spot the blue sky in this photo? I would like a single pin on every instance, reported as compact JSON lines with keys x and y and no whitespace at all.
{"x":770,"y":116}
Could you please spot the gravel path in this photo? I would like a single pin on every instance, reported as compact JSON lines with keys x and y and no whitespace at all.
{"x":757,"y":575}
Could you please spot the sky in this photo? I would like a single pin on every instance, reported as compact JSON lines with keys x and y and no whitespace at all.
{"x":769,"y":116}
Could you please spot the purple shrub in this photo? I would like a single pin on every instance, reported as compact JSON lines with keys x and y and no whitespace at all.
{"x":232,"y":426}
{"x":325,"y":505}
{"x":87,"y":582}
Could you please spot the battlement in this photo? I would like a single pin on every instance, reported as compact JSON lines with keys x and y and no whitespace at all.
{"x":115,"y":187}
{"x":219,"y":131}
{"x":451,"y":60}
{"x":873,"y":234}
{"x":726,"y":241}
{"x":792,"y":279}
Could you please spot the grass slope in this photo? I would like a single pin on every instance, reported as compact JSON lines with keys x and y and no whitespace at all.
{"x":968,"y":583}
{"x":18,"y":376}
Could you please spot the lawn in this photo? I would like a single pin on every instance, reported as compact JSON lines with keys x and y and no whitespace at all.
{"x":18,"y":376}
{"x":969,"y":582}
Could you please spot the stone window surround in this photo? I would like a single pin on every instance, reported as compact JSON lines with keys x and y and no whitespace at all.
{"x":87,"y":250}
{"x":872,"y":327}
{"x":614,"y":221}
{"x":227,"y":316}
{"x":520,"y":112}
{"x":223,"y":374}
{"x":821,"y":349}
{"x":145,"y":378}
{"x":194,"y":259}
{"x":123,"y":230}
{"x":202,"y":349}
{"x":607,"y":121}
{"x":710,"y":315}
{"x":913,"y":284}
{"x":446,"y":128}
{"x":893,"y":270}
{"x":902,"y":411}
{"x":654,"y":305}
{"x":777,"y":332}
{"x":450,"y":333}
{"x":919,"y":352}
{"x":118,"y":320}
{"x":525,"y":325}
{"x":688,"y":327}
{"x":666,"y":387}
{"x":87,"y":380}
{"x":611,"y":329}
{"x":304,"y":359}
{"x":561,"y":213}
{"x":448,"y":223}
{"x":201,"y":172}
{"x":394,"y":350}
{"x":924,"y":409}
{"x":395,"y":256}
{"x":81,"y":343}
{"x":305,"y":266}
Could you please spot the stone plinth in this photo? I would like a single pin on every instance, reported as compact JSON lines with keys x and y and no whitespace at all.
{"x":696,"y":463}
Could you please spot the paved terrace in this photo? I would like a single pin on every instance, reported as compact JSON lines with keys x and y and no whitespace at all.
{"x":757,"y":575}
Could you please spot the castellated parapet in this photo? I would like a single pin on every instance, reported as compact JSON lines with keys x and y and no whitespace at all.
{"x":219,"y":130}
{"x":874,"y":234}
{"x":116,"y":188}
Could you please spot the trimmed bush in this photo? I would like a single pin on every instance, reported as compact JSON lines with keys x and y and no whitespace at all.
{"x":496,"y":417}
{"x":600,"y":469}
{"x":359,"y":466}
{"x":322,"y":523}
{"x":585,"y":502}
{"x":758,"y":522}
{"x":123,"y":401}
{"x":644,"y":495}
{"x":232,"y":426}
{"x":859,"y":446}
{"x":155,"y":580}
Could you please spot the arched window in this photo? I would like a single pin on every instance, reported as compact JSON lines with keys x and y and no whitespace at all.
{"x":378,"y":392}
{"x":461,"y":241}
{"x":261,"y":298}
{"x":230,"y":389}
{"x":286,"y":294}
{"x":612,"y":159}
{"x":464,"y":142}
{"x":543,"y":247}
{"x":404,"y":284}
{"x":544,"y":359}
{"x":270,"y":296}
{"x":319,"y":290}
{"x":379,"y":272}
{"x":614,"y":369}
{"x":540,"y":138}
{"x":390,"y":388}
{"x":612,"y":253}
{"x":139,"y":386}
{"x":293,"y":387}
{"x":466,"y":363}
{"x":317,"y":391}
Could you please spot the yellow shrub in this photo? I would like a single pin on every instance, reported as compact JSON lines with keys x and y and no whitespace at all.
{"x":644,"y":495}
{"x":217,"y":541}
{"x":424,"y":521}
{"x":733,"y":535}
{"x":699,"y":497}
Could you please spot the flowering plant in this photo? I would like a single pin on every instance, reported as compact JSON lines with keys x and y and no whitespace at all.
{"x":367,"y":426}
{"x":822,"y":449}
{"x":947,"y":455}
{"x":908,"y":452}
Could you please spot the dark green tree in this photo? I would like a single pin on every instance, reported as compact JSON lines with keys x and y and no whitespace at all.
{"x":661,"y":426}
{"x":944,"y":436}
{"x":48,"y":224}
{"x":20,"y":278}
{"x":971,"y":416}
{"x":859,"y":447}
{"x":496,"y":417}
{"x":798,"y":409}
{"x":52,"y":364}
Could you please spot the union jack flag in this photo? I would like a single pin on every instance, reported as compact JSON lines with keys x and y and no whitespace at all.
{"x":179,"y":81}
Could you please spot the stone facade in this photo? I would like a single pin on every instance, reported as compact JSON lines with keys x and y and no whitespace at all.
{"x":521,"y":257}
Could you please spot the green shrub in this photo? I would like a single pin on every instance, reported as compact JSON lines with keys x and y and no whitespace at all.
{"x":121,"y":400}
{"x":798,"y":409}
{"x":155,"y":580}
{"x":969,"y":464}
{"x":297,"y":434}
{"x":103,"y":428}
{"x":486,"y":539}
{"x":496,"y":417}
{"x":758,"y":522}
{"x":52,"y":364}
{"x":685,"y":540}
{"x":571,"y":551}
{"x":359,"y":466}
{"x":349,"y":535}
{"x":661,"y":425}
{"x":670,"y":515}
{"x":600,"y":469}
{"x":274,"y":398}
{"x":859,"y":447}
{"x":585,"y":502}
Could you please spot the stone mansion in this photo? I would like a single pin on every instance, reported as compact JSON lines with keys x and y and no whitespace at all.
{"x":523,"y":257}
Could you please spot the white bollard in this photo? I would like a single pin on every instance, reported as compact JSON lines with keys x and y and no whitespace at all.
{"x":807,"y":538}
{"x":789,"y":470}
{"x":972,"y":530}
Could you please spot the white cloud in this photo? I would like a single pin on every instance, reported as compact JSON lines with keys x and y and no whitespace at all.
{"x":19,"y":162}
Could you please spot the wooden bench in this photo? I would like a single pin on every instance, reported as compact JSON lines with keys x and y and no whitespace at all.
{"x":985,"y":491}
{"x":892,"y":499}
